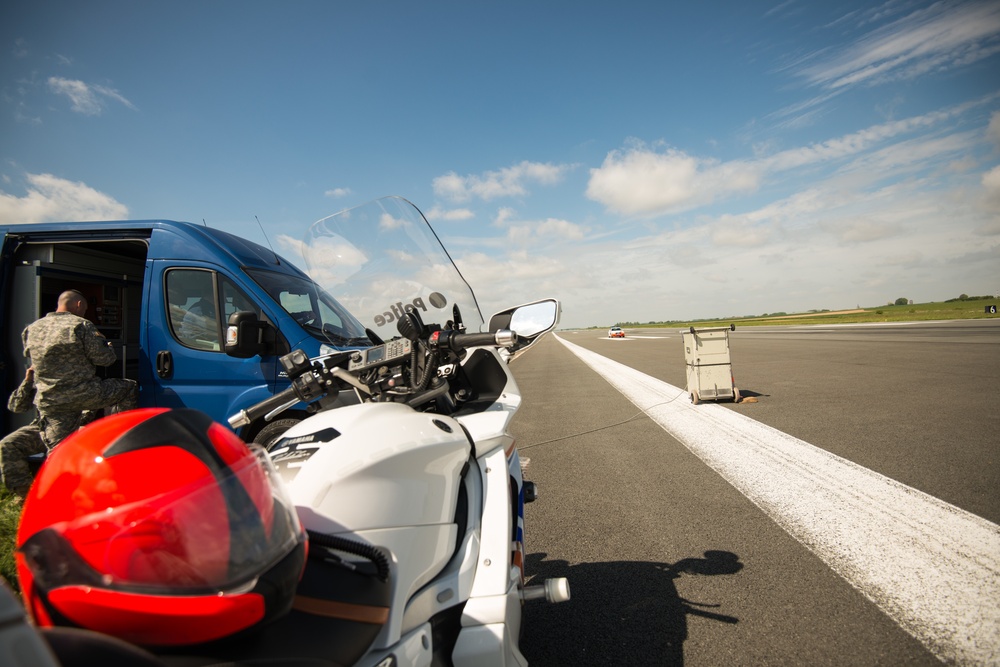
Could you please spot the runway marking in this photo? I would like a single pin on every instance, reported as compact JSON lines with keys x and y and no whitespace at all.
{"x":634,"y":338}
{"x":932,"y":567}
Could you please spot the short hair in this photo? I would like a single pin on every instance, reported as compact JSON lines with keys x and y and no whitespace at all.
{"x":71,"y":295}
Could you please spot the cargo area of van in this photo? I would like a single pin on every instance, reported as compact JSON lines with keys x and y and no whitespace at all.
{"x":108,"y":273}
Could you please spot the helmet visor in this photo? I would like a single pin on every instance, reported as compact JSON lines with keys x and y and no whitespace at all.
{"x":214,"y":535}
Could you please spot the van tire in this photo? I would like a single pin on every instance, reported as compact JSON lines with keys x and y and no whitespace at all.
{"x":272,"y":431}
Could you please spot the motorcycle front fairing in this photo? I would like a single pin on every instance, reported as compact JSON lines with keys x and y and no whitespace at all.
{"x":349,"y":473}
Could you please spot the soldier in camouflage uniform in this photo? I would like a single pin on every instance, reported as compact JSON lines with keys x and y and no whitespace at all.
{"x":65,"y":350}
{"x":16,"y":447}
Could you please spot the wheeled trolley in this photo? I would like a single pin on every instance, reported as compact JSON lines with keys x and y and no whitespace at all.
{"x":709,"y":367}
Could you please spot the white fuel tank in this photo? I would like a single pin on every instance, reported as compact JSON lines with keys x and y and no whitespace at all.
{"x":373,"y":465}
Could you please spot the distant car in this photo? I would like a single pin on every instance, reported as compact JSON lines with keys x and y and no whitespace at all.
{"x":616,"y":332}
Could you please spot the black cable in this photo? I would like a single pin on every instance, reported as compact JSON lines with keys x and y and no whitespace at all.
{"x":367,"y":551}
{"x":602,"y":428}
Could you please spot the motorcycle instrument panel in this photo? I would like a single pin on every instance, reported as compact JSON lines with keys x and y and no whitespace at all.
{"x":380,"y":354}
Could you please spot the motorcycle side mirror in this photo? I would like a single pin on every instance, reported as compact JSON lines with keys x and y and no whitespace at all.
{"x":529,"y":320}
{"x":243,"y":335}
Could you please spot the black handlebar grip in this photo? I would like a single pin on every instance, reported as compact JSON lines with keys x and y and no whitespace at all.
{"x":461,"y":341}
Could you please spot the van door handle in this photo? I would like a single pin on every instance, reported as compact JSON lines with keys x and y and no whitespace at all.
{"x":164,"y":364}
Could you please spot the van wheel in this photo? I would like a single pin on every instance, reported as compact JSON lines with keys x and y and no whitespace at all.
{"x":272,"y":431}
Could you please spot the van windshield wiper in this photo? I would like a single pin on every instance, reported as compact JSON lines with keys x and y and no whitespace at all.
{"x":327,"y":332}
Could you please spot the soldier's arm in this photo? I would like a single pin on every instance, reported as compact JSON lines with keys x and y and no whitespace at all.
{"x":21,"y":398}
{"x":98,"y":348}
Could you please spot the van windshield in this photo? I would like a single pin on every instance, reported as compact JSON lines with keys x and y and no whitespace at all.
{"x":318,"y":312}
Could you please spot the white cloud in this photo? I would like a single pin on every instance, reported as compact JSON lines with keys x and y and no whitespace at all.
{"x":915,"y":155}
{"x":943,"y":36}
{"x":740,"y":233}
{"x":387,"y":222}
{"x":290,"y":244}
{"x":55,"y":199}
{"x":337,"y":193}
{"x":640,"y":181}
{"x":836,"y":244}
{"x":328,"y":260}
{"x":507,"y":182}
{"x":993,"y":129}
{"x":529,"y":231}
{"x":935,"y":38}
{"x":550,"y":228}
{"x":558,"y":228}
{"x":522,"y":278}
{"x":450,"y":215}
{"x":991,"y":186}
{"x":503,"y":215}
{"x":854,"y":143}
{"x":85,"y":98}
{"x":863,"y":230}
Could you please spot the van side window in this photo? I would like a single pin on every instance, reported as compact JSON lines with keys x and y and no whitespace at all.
{"x":191,"y":308}
{"x":233,"y":299}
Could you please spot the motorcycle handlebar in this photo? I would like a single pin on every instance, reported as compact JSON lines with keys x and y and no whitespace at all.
{"x":457,"y":342}
{"x":258,"y":410}
{"x":452,"y":340}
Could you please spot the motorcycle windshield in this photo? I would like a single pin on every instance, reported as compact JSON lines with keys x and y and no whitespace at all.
{"x":381,"y":260}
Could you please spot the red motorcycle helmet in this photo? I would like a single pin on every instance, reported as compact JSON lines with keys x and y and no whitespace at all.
{"x":160,"y":527}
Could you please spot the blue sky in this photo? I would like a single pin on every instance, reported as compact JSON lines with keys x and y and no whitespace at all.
{"x":641,"y":161}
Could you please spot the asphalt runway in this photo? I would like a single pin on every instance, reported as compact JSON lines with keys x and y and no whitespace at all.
{"x":672,"y":563}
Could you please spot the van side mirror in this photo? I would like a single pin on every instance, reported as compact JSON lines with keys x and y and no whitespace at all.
{"x":244,"y":337}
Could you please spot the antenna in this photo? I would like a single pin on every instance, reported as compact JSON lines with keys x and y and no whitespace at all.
{"x":267,"y":239}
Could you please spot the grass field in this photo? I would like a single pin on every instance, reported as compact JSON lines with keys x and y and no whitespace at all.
{"x":10,"y":506}
{"x":10,"y":513}
{"x":972,"y":308}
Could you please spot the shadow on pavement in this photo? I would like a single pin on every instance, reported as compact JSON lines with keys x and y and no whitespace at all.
{"x":619,"y":613}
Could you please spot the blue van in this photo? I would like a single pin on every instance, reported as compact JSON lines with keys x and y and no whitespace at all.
{"x":162,"y":292}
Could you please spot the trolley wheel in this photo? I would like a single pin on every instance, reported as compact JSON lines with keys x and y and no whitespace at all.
{"x":695,"y":400}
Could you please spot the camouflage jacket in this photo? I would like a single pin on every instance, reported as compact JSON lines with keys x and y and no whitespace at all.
{"x":22,"y":398}
{"x":65,"y":351}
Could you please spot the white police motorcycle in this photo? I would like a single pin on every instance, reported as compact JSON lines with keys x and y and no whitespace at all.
{"x":413,"y":495}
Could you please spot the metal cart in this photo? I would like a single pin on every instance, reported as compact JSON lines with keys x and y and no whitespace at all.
{"x":709,"y":368}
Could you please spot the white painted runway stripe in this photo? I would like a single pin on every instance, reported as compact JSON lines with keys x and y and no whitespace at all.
{"x":932,"y":567}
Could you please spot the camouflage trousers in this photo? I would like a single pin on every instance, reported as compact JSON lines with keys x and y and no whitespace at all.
{"x":14,"y":452}
{"x":114,"y":395}
{"x":51,"y":427}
